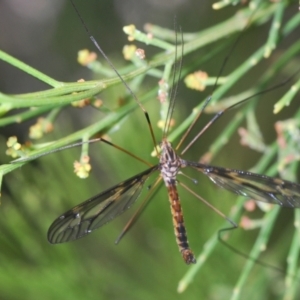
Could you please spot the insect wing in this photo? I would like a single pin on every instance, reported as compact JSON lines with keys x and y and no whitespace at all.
{"x":259,"y":187}
{"x":98,"y":210}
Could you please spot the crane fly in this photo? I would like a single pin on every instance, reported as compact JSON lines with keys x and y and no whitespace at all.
{"x":95,"y":212}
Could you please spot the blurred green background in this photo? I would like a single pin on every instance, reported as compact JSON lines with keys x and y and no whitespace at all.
{"x":146,"y":264}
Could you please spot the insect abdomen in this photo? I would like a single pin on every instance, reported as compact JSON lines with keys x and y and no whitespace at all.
{"x":179,"y":228}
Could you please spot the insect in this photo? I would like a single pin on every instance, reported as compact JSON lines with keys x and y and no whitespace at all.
{"x":105,"y":206}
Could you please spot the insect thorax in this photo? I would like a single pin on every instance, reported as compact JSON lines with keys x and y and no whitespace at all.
{"x":170,"y":163}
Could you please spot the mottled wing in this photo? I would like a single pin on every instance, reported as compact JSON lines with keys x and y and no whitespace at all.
{"x":98,"y":210}
{"x":258,"y":187}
